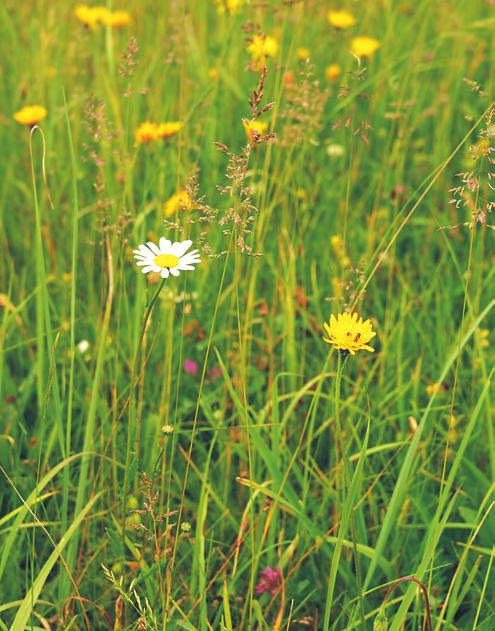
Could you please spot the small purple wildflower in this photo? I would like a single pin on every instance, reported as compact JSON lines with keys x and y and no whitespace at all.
{"x":270,"y":579}
{"x":190,"y":367}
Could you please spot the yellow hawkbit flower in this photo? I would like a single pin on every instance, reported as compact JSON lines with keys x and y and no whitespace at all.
{"x":30,"y":115}
{"x":364,"y":46}
{"x":146,"y":132}
{"x":261,"y":47}
{"x":254,"y":128}
{"x":116,"y":19}
{"x":332,"y":72}
{"x":168,"y":129}
{"x":229,"y":6}
{"x":340,"y":19}
{"x":348,"y":333}
{"x":88,"y":16}
{"x":303,"y":53}
{"x":93,"y":16}
{"x":180,"y":201}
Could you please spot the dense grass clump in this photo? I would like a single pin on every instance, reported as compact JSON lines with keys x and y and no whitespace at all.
{"x":182,"y":449}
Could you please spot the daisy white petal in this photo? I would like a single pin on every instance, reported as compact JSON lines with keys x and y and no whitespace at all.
{"x":165,"y":245}
{"x":164,"y":273}
{"x":144,"y":251}
{"x":145,"y":270}
{"x":185,"y":268}
{"x":180,"y":247}
{"x":190,"y":261}
{"x":154,"y":248}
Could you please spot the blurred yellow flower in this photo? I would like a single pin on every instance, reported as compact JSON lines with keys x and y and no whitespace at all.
{"x":348,"y":333}
{"x":332,"y":72}
{"x":435,"y":388}
{"x":30,"y":115}
{"x":213,"y":74}
{"x":100,"y":13}
{"x":180,"y":201}
{"x":92,"y":16}
{"x":146,"y":132}
{"x":338,"y":247}
{"x":364,"y":46}
{"x":229,"y":6}
{"x":303,"y":53}
{"x":87,"y":15}
{"x":482,"y":336}
{"x":336,"y":287}
{"x":170,"y":128}
{"x":340,"y":18}
{"x":116,"y":19}
{"x":254,"y":128}
{"x":261,"y":47}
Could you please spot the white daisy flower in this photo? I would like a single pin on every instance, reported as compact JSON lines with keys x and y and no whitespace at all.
{"x":167,"y":257}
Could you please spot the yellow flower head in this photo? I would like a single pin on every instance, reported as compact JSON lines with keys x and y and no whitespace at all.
{"x":303,"y":53}
{"x":349,"y":333}
{"x":229,"y":6}
{"x":332,"y":72}
{"x":213,"y":74}
{"x":30,"y":115}
{"x":165,"y":130}
{"x":340,"y":19}
{"x":364,"y":46}
{"x":101,"y":14}
{"x":254,"y":128}
{"x":262,"y":46}
{"x":91,"y":16}
{"x":146,"y":132}
{"x":180,"y":201}
{"x":116,"y":19}
{"x":86,"y":15}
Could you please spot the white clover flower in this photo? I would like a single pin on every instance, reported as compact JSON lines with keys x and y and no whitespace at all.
{"x":83,"y":346}
{"x":167,"y":258}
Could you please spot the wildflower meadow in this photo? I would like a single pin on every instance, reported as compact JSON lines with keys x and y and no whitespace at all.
{"x":247,"y":298}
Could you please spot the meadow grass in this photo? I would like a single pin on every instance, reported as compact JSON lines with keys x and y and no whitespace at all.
{"x":189,"y":453}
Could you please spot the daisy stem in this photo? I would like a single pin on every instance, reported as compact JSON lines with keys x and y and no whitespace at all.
{"x":131,"y":424}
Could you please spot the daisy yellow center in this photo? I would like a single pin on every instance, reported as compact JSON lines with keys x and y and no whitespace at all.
{"x":166,"y":260}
